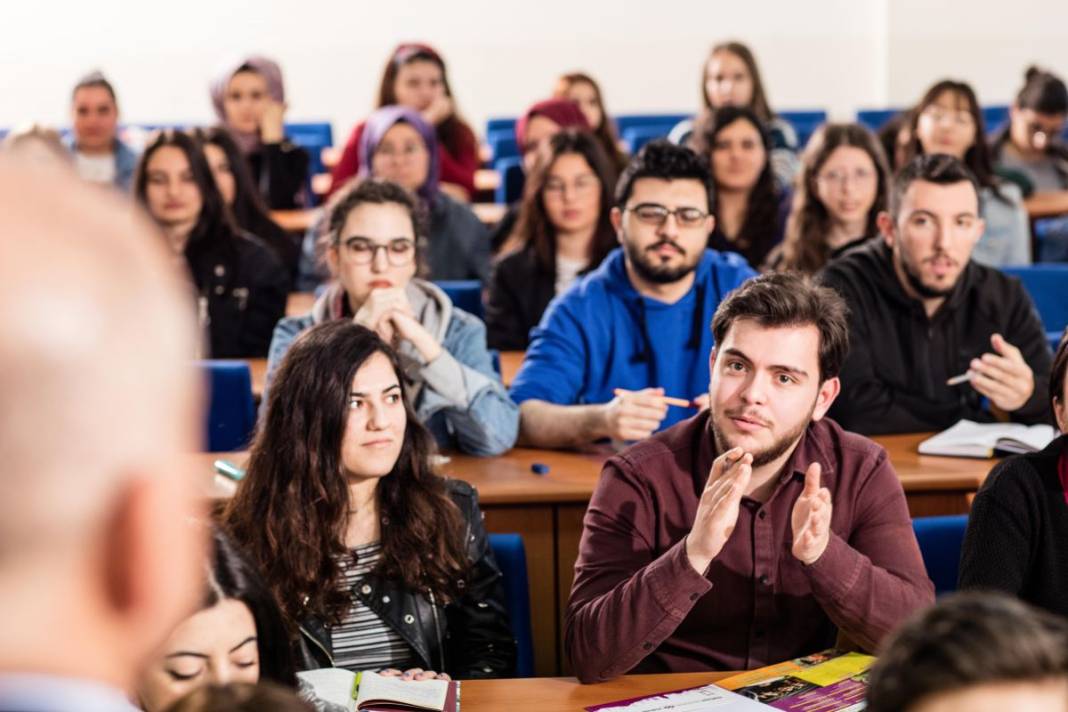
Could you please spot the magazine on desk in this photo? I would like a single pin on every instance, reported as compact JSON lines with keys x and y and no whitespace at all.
{"x":828,"y":681}
{"x":371,"y":692}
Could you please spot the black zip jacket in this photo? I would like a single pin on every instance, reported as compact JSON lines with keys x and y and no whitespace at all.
{"x":894,"y":379}
{"x":242,"y":290}
{"x":470,"y":638}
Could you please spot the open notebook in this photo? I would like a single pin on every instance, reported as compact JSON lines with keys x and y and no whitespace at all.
{"x":371,"y":692}
{"x":970,"y":439}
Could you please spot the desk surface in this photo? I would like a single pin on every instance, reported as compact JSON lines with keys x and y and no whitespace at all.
{"x":565,"y":693}
{"x":509,"y":480}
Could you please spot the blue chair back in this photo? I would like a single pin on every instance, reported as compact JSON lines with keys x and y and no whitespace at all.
{"x":497,"y":123}
{"x":464,"y":293}
{"x":502,"y":144}
{"x":940,"y":539}
{"x":312,"y":136}
{"x":875,"y":119}
{"x":994,"y":116}
{"x":510,"y":189}
{"x":1047,"y":283}
{"x":627,"y":121}
{"x":512,"y":559}
{"x":231,"y":415}
{"x":805,"y":122}
{"x":637,"y":136}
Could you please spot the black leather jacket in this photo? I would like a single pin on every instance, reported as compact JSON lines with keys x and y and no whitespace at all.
{"x":469,"y":638}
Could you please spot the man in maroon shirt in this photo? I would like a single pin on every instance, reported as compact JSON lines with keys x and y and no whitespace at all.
{"x":754,"y":531}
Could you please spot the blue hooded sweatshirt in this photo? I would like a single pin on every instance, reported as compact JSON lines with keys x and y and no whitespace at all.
{"x":602,"y":334}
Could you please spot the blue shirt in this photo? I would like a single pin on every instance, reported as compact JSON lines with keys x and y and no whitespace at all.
{"x":602,"y":334}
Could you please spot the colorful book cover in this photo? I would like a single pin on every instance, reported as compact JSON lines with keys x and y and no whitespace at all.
{"x":828,"y":681}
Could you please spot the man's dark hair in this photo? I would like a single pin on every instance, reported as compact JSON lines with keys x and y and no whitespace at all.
{"x":790,"y":299}
{"x":94,"y":79}
{"x":1043,"y":92}
{"x":937,"y":168}
{"x":662,"y":159}
{"x":967,"y":639}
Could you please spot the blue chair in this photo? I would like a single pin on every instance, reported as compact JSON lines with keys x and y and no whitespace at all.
{"x":312,"y":137}
{"x":940,"y":539}
{"x":1047,"y":283}
{"x":627,"y":121}
{"x":510,"y":189}
{"x":805,"y":122}
{"x":512,"y":559}
{"x":231,"y":415}
{"x":502,"y":144}
{"x":1051,"y":239}
{"x":875,"y":119}
{"x":994,"y":116}
{"x":637,"y":136}
{"x":506,"y":123}
{"x":464,"y":293}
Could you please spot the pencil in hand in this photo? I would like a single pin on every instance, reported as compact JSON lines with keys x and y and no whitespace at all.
{"x":680,"y":402}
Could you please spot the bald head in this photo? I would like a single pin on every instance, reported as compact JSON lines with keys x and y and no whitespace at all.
{"x":97,"y":393}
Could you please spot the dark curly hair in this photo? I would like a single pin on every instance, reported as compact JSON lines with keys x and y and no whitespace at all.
{"x":291,"y":510}
{"x":663,"y":159}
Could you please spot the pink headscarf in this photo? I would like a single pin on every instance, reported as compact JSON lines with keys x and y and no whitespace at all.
{"x":269,"y":70}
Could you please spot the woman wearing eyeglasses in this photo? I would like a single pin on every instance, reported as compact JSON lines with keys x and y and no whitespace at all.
{"x":374,"y":252}
{"x":1031,"y":148}
{"x":948,"y":120}
{"x":564,"y":231}
{"x":841,"y":190}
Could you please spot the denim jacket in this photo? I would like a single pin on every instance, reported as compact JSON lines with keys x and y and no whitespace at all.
{"x":458,"y":395}
{"x":125,"y":162}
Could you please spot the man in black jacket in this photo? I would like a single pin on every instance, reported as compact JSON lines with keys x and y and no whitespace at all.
{"x":934,"y":336}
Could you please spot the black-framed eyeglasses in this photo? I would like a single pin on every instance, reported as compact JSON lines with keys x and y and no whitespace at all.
{"x":657,"y":214}
{"x":399,"y":251}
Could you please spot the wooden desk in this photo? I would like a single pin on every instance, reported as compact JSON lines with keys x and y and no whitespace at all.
{"x":510,"y":362}
{"x":489,"y":213}
{"x":547,"y":510}
{"x":295,"y":220}
{"x":560,"y":694}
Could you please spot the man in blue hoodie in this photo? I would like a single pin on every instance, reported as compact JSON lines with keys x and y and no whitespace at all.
{"x":610,"y":351}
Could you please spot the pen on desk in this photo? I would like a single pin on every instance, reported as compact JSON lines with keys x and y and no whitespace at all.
{"x":962,"y":378}
{"x":680,"y":402}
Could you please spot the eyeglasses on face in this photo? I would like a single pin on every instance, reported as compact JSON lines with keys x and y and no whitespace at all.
{"x":399,"y":251}
{"x":656,"y":214}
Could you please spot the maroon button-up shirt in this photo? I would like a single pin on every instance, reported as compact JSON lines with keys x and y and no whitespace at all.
{"x":638,"y":606}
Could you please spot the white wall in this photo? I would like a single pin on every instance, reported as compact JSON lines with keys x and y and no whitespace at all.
{"x":835,"y":54}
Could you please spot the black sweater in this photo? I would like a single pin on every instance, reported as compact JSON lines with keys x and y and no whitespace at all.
{"x":280,"y":170}
{"x":894,"y":378}
{"x":519,"y":291}
{"x":1017,"y":538}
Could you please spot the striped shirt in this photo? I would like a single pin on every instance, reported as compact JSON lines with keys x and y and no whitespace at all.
{"x":364,"y":641}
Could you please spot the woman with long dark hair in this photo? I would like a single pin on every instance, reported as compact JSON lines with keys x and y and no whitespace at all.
{"x":841,"y":190}
{"x":234,"y":181}
{"x":376,"y":560}
{"x":240,"y":284}
{"x":582,"y":89}
{"x":563,"y":231}
{"x":730,"y":77}
{"x":249,"y":100}
{"x":948,"y":120}
{"x":374,"y":246}
{"x":415,"y":77}
{"x":237,"y":635}
{"x":749,"y":206}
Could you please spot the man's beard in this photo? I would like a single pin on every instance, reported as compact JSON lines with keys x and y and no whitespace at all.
{"x":656,"y":272}
{"x":918,"y":286}
{"x":768,"y":454}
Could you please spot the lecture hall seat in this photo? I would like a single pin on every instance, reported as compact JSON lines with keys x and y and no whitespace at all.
{"x":510,"y":189}
{"x":231,"y":414}
{"x":940,"y":540}
{"x":511,"y":557}
{"x":464,"y":293}
{"x":1047,"y":283}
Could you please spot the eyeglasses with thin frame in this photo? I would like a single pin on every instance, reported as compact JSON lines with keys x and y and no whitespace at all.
{"x":859,"y":176}
{"x":400,"y":251}
{"x":657,"y":214}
